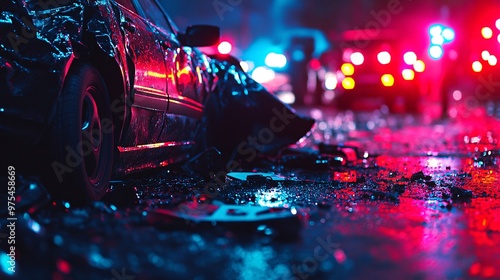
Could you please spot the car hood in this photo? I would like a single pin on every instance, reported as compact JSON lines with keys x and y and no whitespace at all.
{"x":46,"y":33}
{"x":244,"y":119}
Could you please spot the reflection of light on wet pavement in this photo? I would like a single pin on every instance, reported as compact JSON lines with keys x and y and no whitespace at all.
{"x":433,"y":163}
{"x":421,"y":238}
{"x":257,"y":263}
{"x":404,"y":135}
{"x":345,"y":177}
{"x":271,"y":197}
{"x":462,"y":155}
{"x":483,"y":222}
{"x":418,"y":200}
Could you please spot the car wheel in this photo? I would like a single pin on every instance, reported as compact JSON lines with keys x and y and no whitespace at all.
{"x":82,"y":137}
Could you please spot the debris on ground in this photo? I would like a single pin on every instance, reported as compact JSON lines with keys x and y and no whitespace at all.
{"x":235,"y":217}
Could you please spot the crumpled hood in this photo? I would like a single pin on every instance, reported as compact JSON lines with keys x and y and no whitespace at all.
{"x":42,"y":31}
{"x":244,"y":119}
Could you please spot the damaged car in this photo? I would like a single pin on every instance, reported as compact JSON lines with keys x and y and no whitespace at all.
{"x":97,"y":89}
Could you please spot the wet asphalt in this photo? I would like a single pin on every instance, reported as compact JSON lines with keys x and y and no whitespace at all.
{"x":415,"y":198}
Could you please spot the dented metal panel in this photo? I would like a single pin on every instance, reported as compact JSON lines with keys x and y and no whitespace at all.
{"x":38,"y":43}
{"x":244,"y":119}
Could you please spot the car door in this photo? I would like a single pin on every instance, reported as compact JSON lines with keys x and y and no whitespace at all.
{"x":185,"y":87}
{"x":149,"y":87}
{"x":187,"y":100}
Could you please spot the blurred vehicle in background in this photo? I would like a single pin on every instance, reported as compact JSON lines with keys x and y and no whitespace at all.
{"x":273,"y":75}
{"x":281,"y":63}
{"x":272,"y":71}
{"x":370,"y":68}
{"x":284,"y":70}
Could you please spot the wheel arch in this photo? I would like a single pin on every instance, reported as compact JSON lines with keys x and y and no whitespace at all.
{"x":113,"y":75}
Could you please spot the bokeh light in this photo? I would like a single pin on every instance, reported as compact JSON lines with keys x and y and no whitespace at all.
{"x":330,"y":81}
{"x":244,"y":65}
{"x":286,"y":97}
{"x":410,"y":58}
{"x":346,"y":55}
{"x":492,"y":60}
{"x":328,"y":96}
{"x":485,"y":55}
{"x":408,"y":74}
{"x":275,"y":60}
{"x":419,"y":66}
{"x":387,"y":80}
{"x":263,"y":74}
{"x":436,"y":52}
{"x":486,"y":32}
{"x":384,"y":57}
{"x":448,"y":34}
{"x":436,"y":30}
{"x":357,"y":58}
{"x":348,"y":83}
{"x":347,"y":69}
{"x":437,"y":40}
{"x":477,"y":66}
{"x":224,"y":47}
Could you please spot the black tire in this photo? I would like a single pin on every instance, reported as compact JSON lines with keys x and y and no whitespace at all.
{"x":82,"y":137}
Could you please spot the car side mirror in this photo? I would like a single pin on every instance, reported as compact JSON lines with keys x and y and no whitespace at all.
{"x":201,"y":36}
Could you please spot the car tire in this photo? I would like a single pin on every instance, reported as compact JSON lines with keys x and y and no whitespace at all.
{"x":82,"y":141}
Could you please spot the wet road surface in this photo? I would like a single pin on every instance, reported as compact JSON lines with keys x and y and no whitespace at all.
{"x":421,"y":201}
